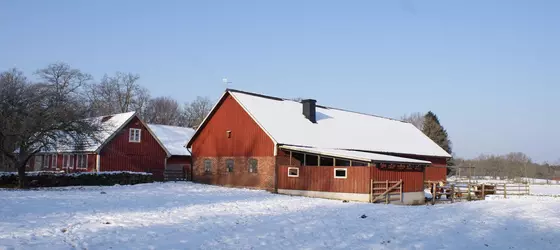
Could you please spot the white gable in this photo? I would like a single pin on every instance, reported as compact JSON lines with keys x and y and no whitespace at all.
{"x":336,"y":129}
{"x":173,"y":138}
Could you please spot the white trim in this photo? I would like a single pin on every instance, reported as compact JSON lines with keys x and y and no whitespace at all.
{"x":132,"y":132}
{"x":98,"y":163}
{"x":341,"y":177}
{"x":290,"y":168}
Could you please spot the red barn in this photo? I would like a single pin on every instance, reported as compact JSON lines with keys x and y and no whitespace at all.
{"x":300,"y":148}
{"x":126,"y":144}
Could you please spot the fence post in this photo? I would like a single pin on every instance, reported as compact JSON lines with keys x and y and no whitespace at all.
{"x":371,"y":191}
{"x":469,"y":190}
{"x":483,"y":193}
{"x":452,"y":192}
{"x":434,"y":193}
{"x":505,"y":196}
{"x":386,"y":190}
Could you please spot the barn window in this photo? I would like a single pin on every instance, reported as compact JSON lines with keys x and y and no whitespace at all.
{"x":229,"y":165}
{"x":207,"y":166}
{"x":298,"y":159}
{"x":342,"y":162}
{"x":82,"y":161}
{"x":340,"y":173}
{"x":327,"y":161}
{"x":253,"y":164}
{"x":134,"y":135}
{"x":293,"y":172}
{"x":359,"y":163}
{"x":311,"y":160}
{"x":228,"y":134}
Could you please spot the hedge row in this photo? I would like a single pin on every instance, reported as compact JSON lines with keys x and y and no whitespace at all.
{"x":57,"y":179}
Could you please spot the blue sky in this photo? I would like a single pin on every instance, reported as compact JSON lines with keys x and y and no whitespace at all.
{"x":489,"y":69}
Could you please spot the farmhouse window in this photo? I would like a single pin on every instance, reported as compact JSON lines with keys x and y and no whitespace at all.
{"x":229,"y":165}
{"x":53,"y":161}
{"x":38,"y":162}
{"x":293,"y":172}
{"x":207,"y":166}
{"x":68,"y":161}
{"x":46,"y":160}
{"x":340,"y":173}
{"x":82,"y":161}
{"x":134,"y":135}
{"x":253,"y":165}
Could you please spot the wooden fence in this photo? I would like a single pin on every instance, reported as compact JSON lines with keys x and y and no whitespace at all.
{"x":472,"y":191}
{"x":386,"y":191}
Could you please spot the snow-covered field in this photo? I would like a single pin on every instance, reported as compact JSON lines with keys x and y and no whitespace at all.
{"x":545,"y":190}
{"x":192,"y":216}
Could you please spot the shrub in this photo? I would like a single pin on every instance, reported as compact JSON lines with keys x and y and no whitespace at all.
{"x":60,"y":179}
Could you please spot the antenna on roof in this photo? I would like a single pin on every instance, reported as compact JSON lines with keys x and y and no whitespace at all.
{"x":226,"y":82}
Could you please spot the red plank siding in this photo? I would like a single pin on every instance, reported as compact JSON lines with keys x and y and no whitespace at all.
{"x":436,"y":174}
{"x":247,"y":138}
{"x":315,"y":178}
{"x":121,"y":155}
{"x":413,"y":181}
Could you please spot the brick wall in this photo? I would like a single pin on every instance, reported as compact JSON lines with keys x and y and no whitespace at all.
{"x":240,"y":177}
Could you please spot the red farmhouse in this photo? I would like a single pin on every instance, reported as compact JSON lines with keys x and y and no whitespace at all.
{"x":126,"y":144}
{"x":300,"y":148}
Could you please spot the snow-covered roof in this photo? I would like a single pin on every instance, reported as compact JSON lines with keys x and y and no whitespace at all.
{"x":110,"y":125}
{"x":173,"y":138}
{"x":354,"y":155}
{"x":284,"y":122}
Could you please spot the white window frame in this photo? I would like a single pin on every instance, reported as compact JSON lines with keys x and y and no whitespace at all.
{"x":232,"y":165}
{"x":290,"y":168}
{"x":46,"y":161}
{"x":69,"y":162}
{"x":341,"y":177}
{"x":36,"y":160}
{"x":256,"y":165}
{"x":135,"y":135}
{"x":209,"y":169}
{"x":82,"y":158}
{"x":54,"y":161}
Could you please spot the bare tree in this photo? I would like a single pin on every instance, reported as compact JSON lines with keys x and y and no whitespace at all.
{"x":117,"y":94}
{"x":38,"y":116}
{"x":196,"y":111}
{"x":416,"y":118}
{"x":163,"y":110}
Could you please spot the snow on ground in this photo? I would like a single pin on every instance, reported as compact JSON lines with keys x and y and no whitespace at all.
{"x":545,"y":189}
{"x":193,"y":216}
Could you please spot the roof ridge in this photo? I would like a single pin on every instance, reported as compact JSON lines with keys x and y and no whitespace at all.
{"x":320,"y":106}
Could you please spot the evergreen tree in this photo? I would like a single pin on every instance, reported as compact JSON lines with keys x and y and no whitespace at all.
{"x":433,"y":129}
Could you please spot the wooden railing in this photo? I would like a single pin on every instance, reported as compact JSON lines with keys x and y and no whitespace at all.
{"x":390,"y":188}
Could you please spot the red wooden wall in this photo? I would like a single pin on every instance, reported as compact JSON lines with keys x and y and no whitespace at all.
{"x":246,"y":139}
{"x":146,"y":156}
{"x":435,"y":173}
{"x":315,"y":178}
{"x":413,"y":181}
